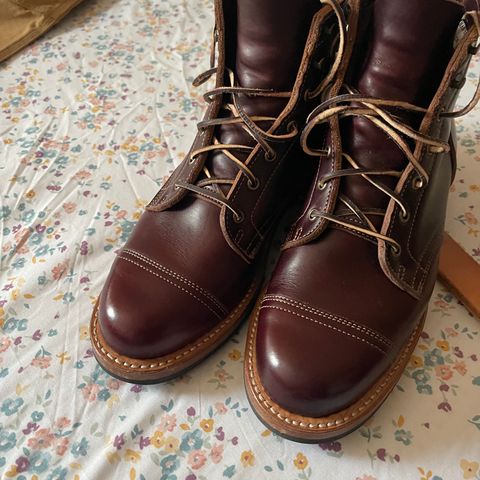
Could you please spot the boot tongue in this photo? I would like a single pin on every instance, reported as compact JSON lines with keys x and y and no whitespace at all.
{"x":404,"y":51}
{"x":270,"y":40}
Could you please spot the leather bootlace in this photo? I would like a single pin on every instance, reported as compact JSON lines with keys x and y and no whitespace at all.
{"x":250,"y":123}
{"x":354,"y":104}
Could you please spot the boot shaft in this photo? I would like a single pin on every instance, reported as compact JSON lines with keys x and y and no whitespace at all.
{"x":378,"y":177}
{"x":264,"y":145}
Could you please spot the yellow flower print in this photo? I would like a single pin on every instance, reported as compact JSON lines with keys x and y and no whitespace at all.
{"x":416,"y":361}
{"x":63,"y":357}
{"x":113,"y":457}
{"x":206,"y":425}
{"x":300,"y":461}
{"x":83,"y":332}
{"x":234,"y":355}
{"x":171,"y":444}
{"x":30,"y":194}
{"x":132,"y":456}
{"x":247,"y":458}
{"x":443,"y":345}
{"x":12,"y":472}
{"x":157,"y":439}
{"x":470,"y":469}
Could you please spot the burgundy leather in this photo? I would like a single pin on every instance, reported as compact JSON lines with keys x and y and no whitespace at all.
{"x":338,"y":308}
{"x":262,"y":38}
{"x":181,"y":272}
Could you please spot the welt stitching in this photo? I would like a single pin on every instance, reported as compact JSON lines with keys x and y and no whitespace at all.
{"x":339,"y":330}
{"x":422,"y":256}
{"x":171,"y":283}
{"x":176,"y":275}
{"x":326,"y":203}
{"x":269,"y":179}
{"x":258,"y":231}
{"x":412,"y":223}
{"x":168,"y":360}
{"x":405,"y":284}
{"x":362,"y":328}
{"x":242,"y":180}
{"x":318,"y":426}
{"x":424,"y":277}
{"x":361,"y":235}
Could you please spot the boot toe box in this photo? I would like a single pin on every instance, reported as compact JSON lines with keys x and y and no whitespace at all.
{"x":148,"y":311}
{"x":311,"y":365}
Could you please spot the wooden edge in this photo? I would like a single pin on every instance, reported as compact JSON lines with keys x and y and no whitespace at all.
{"x":461,"y":274}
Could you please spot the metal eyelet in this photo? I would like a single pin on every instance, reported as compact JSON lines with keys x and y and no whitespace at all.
{"x":253,"y":185}
{"x":396,"y":251}
{"x":328,"y":151}
{"x":404,"y":217}
{"x":238,"y":217}
{"x":270,"y":157}
{"x":312,"y":215}
{"x":292,"y":126}
{"x":321,"y":185}
{"x":318,"y":65}
{"x":418,"y":183}
{"x":191,"y":160}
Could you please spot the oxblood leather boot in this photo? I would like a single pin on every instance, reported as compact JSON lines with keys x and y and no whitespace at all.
{"x":193,"y":265}
{"x":347,"y":300}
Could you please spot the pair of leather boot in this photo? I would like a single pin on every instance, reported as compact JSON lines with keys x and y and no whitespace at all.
{"x":348,"y":105}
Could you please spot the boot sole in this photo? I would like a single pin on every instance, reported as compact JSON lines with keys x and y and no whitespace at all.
{"x":304,"y":429}
{"x":161,"y":369}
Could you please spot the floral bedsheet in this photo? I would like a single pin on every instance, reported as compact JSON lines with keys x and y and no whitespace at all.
{"x":94,"y":117}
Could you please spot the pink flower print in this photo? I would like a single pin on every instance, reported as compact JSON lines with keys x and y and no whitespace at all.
{"x":167,"y":423}
{"x":451,"y":332}
{"x":216,"y":454}
{"x":62,"y":446}
{"x":5,"y":342}
{"x":113,"y":384}
{"x":460,"y":368}
{"x":43,"y":438}
{"x":444,"y":372}
{"x":59,"y":270}
{"x":470,"y":218}
{"x":69,"y":207}
{"x":41,"y":362}
{"x":82,"y":175}
{"x":220,"y":408}
{"x":90,"y":392}
{"x":62,"y":422}
{"x":197,"y":459}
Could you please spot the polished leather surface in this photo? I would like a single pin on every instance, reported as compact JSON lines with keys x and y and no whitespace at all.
{"x":333,"y":318}
{"x":147,"y":311}
{"x":269,"y":48}
{"x":178,"y":276}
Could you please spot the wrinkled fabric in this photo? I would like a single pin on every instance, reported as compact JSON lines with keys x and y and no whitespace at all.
{"x":94,"y":116}
{"x":22,"y":21}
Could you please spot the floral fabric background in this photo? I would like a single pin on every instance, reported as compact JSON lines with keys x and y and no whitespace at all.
{"x":94,"y":117}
